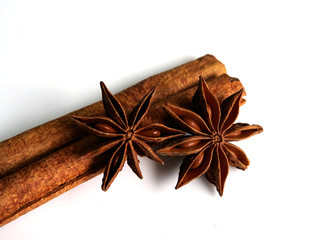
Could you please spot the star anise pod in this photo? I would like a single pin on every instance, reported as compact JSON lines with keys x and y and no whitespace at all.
{"x":123,"y":138}
{"x":206,"y":148}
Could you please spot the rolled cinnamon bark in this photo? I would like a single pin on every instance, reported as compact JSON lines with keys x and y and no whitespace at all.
{"x":37,"y":183}
{"x":40,"y":141}
{"x":222,"y":87}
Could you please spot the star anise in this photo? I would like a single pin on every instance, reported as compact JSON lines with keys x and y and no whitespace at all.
{"x":124,"y":138}
{"x":206,"y":148}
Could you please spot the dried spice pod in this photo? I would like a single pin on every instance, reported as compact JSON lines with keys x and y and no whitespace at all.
{"x":40,"y":141}
{"x":125,"y":135}
{"x":211,"y":128}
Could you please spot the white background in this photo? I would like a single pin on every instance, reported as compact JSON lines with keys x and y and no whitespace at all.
{"x":54,"y":53}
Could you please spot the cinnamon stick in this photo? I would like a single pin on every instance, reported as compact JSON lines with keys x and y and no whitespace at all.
{"x":38,"y":142}
{"x":37,"y":183}
{"x":222,"y":86}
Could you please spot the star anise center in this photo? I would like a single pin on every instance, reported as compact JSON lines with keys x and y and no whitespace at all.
{"x":128,"y":135}
{"x":217,"y":138}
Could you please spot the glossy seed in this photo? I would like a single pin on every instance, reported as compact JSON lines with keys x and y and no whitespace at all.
{"x":115,"y":160}
{"x":151,"y":133}
{"x":191,"y":123}
{"x":189,"y":144}
{"x":198,"y":161}
{"x":104,"y":128}
{"x":209,"y":111}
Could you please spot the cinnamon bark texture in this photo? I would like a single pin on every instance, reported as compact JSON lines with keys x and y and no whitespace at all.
{"x":74,"y":164}
{"x":223,"y":86}
{"x":40,"y":141}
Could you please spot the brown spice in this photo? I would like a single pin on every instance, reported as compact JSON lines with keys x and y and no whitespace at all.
{"x":207,"y":150}
{"x":76,"y":163}
{"x":124,"y":138}
{"x":38,"y":142}
{"x":221,"y":86}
